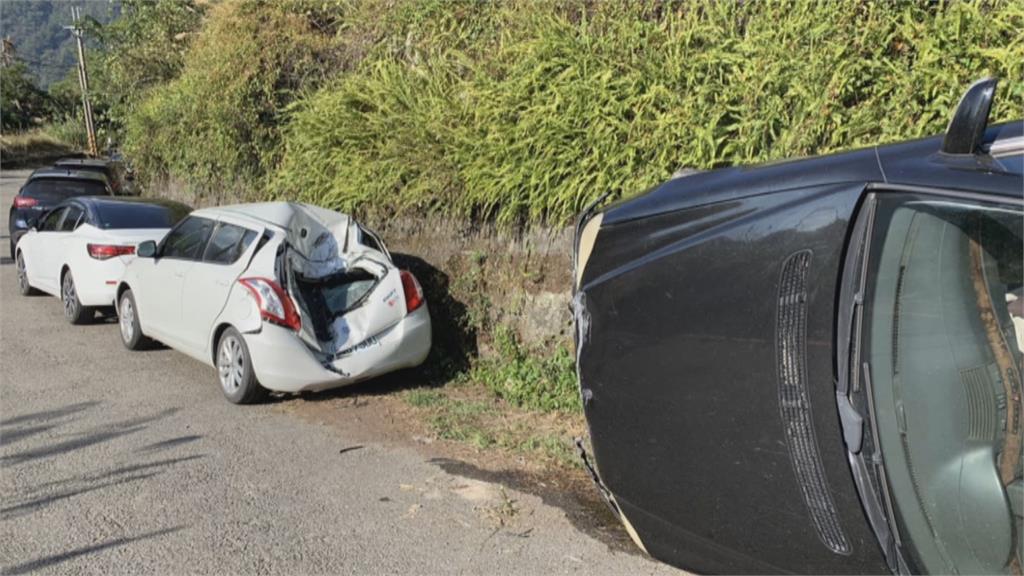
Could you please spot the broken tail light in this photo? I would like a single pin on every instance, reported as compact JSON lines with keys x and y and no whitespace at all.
{"x":275,"y":305}
{"x":24,"y":202}
{"x":413,"y":291}
{"x":108,"y":251}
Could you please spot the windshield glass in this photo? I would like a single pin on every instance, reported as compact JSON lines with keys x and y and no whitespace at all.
{"x":54,"y":190}
{"x":118,"y":215}
{"x":945,"y":325}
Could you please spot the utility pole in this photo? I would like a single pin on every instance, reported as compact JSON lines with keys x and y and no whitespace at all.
{"x":83,"y":78}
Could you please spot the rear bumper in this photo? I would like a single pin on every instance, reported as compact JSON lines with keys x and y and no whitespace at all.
{"x":282,"y":361}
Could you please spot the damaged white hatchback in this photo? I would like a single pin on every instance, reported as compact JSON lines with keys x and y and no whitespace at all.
{"x":277,"y":296}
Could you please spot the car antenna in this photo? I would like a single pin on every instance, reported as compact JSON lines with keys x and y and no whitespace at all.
{"x":966,"y":129}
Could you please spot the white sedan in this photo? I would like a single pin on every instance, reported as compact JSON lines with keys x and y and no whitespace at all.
{"x":78,"y":250}
{"x":276,"y":296}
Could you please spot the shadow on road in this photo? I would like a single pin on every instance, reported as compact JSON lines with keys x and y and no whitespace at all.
{"x":30,"y":505}
{"x":49,"y":414}
{"x":122,"y":470}
{"x":108,"y":479}
{"x":163,"y":445}
{"x":104,"y":434}
{"x":8,"y":437}
{"x":47,"y":561}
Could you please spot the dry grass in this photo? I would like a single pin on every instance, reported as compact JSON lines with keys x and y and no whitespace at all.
{"x":32,"y":147}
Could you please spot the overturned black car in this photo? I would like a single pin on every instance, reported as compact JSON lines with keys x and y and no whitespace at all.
{"x":815,"y":366}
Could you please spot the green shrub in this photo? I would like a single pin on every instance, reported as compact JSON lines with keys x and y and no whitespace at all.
{"x":528,"y":379}
{"x":526,"y":111}
{"x":69,"y":130}
{"x":217,"y":123}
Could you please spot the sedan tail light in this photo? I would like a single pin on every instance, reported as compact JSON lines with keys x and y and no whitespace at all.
{"x":107,"y":251}
{"x":24,"y":202}
{"x":413,"y":291}
{"x":275,"y":305}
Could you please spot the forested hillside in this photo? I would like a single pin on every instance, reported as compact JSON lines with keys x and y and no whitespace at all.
{"x":35,"y":27}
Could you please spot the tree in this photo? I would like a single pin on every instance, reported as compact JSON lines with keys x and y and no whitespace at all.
{"x":22,"y":102}
{"x":144,"y":47}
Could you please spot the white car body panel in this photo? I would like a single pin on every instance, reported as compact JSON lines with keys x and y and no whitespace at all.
{"x":47,"y":253}
{"x":157,"y":285}
{"x":283,"y":363}
{"x":186,"y":304}
{"x":205,"y":294}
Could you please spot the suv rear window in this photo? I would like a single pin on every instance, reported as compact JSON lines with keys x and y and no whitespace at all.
{"x":104,"y":170}
{"x":54,"y":190}
{"x":120,"y":215}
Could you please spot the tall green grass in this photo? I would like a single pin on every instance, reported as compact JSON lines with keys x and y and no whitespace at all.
{"x":524,"y":111}
{"x":217,"y":124}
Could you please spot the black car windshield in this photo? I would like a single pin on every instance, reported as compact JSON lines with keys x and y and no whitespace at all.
{"x":54,"y":190}
{"x":945,"y":337}
{"x":117,"y":215}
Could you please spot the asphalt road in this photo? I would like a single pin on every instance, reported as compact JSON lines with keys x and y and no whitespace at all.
{"x":113,"y":461}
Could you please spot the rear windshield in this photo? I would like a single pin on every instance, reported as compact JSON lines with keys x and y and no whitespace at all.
{"x":115,"y":215}
{"x":57,"y":189}
{"x":88,"y":168}
{"x":331,"y":296}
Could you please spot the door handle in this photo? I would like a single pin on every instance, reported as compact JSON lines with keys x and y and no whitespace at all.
{"x":222,"y":282}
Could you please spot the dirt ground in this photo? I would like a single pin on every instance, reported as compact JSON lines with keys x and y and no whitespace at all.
{"x":380,"y":412}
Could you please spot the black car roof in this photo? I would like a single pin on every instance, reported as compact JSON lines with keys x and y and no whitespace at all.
{"x":68,"y":173}
{"x":916,"y":163}
{"x":82,"y":162}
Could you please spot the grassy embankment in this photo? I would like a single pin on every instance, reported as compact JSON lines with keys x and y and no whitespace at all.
{"x":33,"y":147}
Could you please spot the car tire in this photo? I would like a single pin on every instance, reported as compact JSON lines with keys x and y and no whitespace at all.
{"x":24,"y":287}
{"x":128,"y":323}
{"x":234,"y":369}
{"x":74,"y":311}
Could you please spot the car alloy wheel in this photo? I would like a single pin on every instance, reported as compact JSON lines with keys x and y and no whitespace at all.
{"x":69,"y":296}
{"x":231,"y":364}
{"x":126,"y":318}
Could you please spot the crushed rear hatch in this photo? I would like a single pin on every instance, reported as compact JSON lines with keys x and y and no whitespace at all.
{"x":347,"y":290}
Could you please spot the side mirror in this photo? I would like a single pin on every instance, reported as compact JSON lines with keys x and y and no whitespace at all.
{"x":146,"y":249}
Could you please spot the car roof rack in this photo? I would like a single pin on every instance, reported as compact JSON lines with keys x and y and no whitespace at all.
{"x":1006,"y":147}
{"x":966,"y":129}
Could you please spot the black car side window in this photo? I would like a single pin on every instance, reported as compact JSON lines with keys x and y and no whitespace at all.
{"x":188,"y":239}
{"x":50,"y":222}
{"x":72,"y":218}
{"x":228,"y":243}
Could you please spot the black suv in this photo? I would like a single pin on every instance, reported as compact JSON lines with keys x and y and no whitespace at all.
{"x":44,"y":189}
{"x":815,"y":366}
